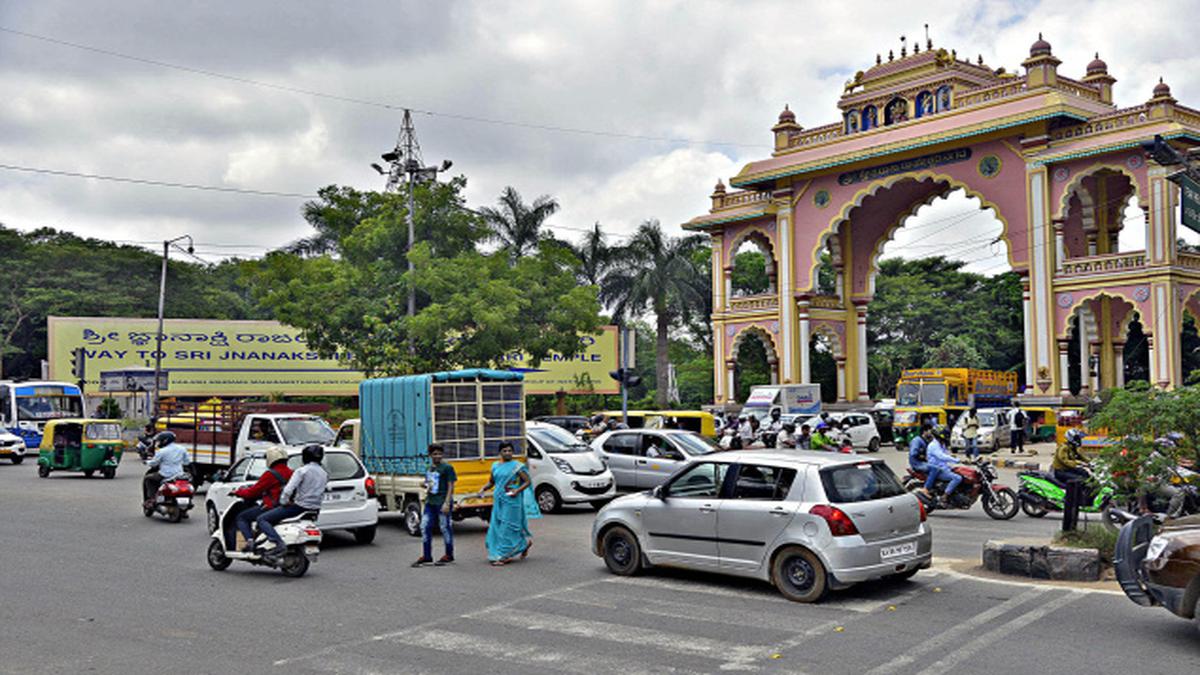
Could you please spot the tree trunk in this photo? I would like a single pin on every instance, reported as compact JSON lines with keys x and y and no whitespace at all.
{"x":661,"y":361}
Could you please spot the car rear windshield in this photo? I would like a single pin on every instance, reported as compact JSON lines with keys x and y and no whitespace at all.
{"x":862,"y":482}
{"x":339,"y":465}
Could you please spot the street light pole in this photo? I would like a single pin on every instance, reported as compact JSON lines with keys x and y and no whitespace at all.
{"x":162,"y":297}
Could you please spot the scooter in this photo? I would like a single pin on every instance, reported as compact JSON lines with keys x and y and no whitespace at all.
{"x":300,"y":535}
{"x":173,"y":499}
{"x":1041,"y":493}
{"x":978,"y":484}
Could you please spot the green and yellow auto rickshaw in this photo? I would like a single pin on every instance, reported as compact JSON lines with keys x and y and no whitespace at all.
{"x":87,"y":445}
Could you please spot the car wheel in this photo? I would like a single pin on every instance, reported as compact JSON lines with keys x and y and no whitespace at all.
{"x":294,"y":564}
{"x":216,"y":556}
{"x":364,"y":535}
{"x":213,"y":520}
{"x":1003,"y":506}
{"x":43,"y":471}
{"x":622,"y":554}
{"x":873,"y":446}
{"x":412,"y":518}
{"x":1196,"y":614}
{"x":799,"y":575}
{"x":174,"y":514}
{"x":17,"y":459}
{"x":109,"y":472}
{"x":548,"y":500}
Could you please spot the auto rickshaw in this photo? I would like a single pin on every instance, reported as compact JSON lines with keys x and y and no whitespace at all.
{"x":1041,"y":424}
{"x":87,"y":445}
{"x":906,"y":423}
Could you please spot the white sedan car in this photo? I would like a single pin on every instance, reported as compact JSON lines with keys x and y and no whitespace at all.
{"x":349,"y":503}
{"x":12,"y":447}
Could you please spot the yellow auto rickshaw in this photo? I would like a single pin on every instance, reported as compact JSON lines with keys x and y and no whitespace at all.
{"x":907,"y":422}
{"x":1041,"y":424}
{"x":83,"y":444}
{"x":696,"y":421}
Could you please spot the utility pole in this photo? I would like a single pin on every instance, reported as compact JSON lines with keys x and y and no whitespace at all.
{"x":406,"y":165}
{"x":162,"y":296}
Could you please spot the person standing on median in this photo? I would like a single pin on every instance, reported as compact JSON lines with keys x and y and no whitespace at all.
{"x":970,"y":433}
{"x":439,"y":504}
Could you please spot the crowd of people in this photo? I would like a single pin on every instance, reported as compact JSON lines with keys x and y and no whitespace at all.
{"x":822,"y":432}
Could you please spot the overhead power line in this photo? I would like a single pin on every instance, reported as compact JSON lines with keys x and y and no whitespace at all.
{"x":157,"y":183}
{"x":376,"y":104}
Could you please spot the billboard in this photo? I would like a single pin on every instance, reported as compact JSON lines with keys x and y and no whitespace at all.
{"x":202,"y":357}
{"x":207,"y":357}
{"x":584,"y":373}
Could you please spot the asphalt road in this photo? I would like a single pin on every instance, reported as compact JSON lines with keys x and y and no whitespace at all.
{"x":90,"y":585}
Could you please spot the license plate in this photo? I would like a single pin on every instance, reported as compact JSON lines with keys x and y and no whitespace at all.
{"x":332,"y":497}
{"x":597,"y":484}
{"x":183,"y":501}
{"x":898,"y":551}
{"x":311,"y":550}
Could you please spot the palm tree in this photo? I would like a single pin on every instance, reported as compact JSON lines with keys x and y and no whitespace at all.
{"x":656,"y":273}
{"x":334,"y":215}
{"x":594,"y":256}
{"x":517,"y":225}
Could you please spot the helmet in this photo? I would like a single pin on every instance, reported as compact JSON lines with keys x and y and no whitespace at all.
{"x":822,"y":426}
{"x":1074,"y":437}
{"x":276,"y":454}
{"x":313,"y":452}
{"x":164,"y":438}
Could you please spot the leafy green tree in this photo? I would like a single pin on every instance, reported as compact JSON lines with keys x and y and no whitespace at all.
{"x":954,"y":350}
{"x":517,"y":226}
{"x":595,"y":256}
{"x":1134,"y":417}
{"x":750,"y":273}
{"x":656,"y":273}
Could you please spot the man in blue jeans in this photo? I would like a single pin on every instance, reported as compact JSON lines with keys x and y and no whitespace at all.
{"x":941,"y":466}
{"x":304,"y":491}
{"x":917,"y":447}
{"x":439,"y":504}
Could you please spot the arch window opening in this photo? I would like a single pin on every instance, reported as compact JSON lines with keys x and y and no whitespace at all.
{"x":754,"y":269}
{"x":822,"y":350}
{"x":755,"y":363}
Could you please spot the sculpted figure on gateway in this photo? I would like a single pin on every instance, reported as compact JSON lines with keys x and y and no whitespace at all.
{"x":1050,"y":155}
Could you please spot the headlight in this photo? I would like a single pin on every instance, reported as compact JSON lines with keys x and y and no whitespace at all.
{"x":562,"y":465}
{"x":1157,"y":546}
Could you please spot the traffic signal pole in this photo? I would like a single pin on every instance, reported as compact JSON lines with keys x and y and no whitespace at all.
{"x":624,"y":369}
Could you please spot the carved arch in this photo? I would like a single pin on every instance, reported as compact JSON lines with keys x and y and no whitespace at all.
{"x":820,"y":329}
{"x":1076,"y":186}
{"x":759,"y":332}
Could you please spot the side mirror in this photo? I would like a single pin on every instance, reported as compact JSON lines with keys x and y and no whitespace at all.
{"x":219,"y":477}
{"x":659,"y":493}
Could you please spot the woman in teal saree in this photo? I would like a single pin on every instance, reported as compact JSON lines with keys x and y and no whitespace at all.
{"x":508,"y":536}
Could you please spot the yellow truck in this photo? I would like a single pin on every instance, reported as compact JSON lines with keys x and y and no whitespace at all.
{"x":468,"y":412}
{"x":940,"y":395}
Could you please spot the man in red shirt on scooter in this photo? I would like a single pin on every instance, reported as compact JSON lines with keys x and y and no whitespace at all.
{"x":268,"y":488}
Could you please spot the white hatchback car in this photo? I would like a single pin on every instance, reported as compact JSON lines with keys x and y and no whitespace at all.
{"x":349,"y":502}
{"x":565,"y":470}
{"x":860,"y":427}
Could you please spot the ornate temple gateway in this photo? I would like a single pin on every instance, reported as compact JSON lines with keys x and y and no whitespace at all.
{"x":1051,"y":156}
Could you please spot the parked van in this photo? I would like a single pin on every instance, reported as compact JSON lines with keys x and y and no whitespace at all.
{"x":565,"y":470}
{"x":993,"y":430}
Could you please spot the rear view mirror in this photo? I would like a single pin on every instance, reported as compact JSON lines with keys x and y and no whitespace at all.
{"x":658,"y":492}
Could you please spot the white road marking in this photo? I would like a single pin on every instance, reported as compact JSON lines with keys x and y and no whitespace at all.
{"x":731,"y":653}
{"x":698,"y":587}
{"x":955,"y":632}
{"x":581,"y":661}
{"x":679,"y":610}
{"x":429,"y":624}
{"x":991,"y":637}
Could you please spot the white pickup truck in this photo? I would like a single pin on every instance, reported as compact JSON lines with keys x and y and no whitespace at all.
{"x":207,"y":432}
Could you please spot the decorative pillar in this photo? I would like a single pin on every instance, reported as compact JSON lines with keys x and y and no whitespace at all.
{"x":1164,"y":310}
{"x":731,"y":382}
{"x":773,"y":368}
{"x":720,"y":393}
{"x":787,"y":303}
{"x":1027,"y":327}
{"x":1119,"y":363}
{"x":1091,"y":243}
{"x":1151,"y":369}
{"x":1085,"y":364}
{"x":838,"y":282}
{"x":1060,"y":247}
{"x":860,"y":351}
{"x":841,"y":378}
{"x":1160,"y":238}
{"x":1094,"y":355}
{"x":805,"y":341}
{"x":718,"y":272}
{"x":728,"y":285}
{"x":1040,"y":330}
{"x":1064,"y":368}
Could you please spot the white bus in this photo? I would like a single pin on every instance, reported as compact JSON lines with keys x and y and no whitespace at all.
{"x":25,"y":407}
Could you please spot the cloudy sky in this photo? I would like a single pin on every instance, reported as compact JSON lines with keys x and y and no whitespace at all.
{"x":671,"y":95}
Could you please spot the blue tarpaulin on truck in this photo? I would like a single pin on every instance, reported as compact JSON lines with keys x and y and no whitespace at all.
{"x":397,"y":416}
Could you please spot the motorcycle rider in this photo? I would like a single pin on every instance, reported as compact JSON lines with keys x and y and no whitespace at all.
{"x":804,"y":438}
{"x":745,"y":431}
{"x":304,"y":492}
{"x":1068,"y":464}
{"x":167,"y":463}
{"x":786,"y":437}
{"x":941,"y":465}
{"x":268,"y":488}
{"x":821,"y":440}
{"x":774,"y":426}
{"x":145,"y":444}
{"x":917,"y":450}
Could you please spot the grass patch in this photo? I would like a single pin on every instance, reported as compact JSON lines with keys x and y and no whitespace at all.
{"x":1093,"y":536}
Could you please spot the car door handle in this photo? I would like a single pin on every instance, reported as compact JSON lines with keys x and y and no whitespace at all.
{"x":707,"y":508}
{"x":778,"y":512}
{"x":642,"y":462}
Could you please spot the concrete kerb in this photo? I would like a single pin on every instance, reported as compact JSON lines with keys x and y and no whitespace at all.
{"x":1039,"y":560}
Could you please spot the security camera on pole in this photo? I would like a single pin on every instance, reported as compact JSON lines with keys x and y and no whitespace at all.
{"x":405,"y":159}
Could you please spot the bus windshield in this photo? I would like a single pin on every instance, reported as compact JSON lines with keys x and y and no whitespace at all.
{"x":47,"y":407}
{"x":906,"y":393}
{"x":933,"y":394}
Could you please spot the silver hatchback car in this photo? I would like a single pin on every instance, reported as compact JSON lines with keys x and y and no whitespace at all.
{"x":808,"y":522}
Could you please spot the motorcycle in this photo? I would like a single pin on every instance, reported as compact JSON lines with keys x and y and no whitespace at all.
{"x":173,"y":499}
{"x":300,"y":535}
{"x":1041,"y":493}
{"x":978,"y":484}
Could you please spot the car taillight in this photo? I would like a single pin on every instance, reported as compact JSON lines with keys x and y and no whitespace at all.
{"x":840,"y":524}
{"x":370,"y":485}
{"x":921,"y":507}
{"x":313,"y":532}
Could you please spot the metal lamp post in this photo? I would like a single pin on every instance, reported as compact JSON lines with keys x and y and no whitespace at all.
{"x":162,"y":296}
